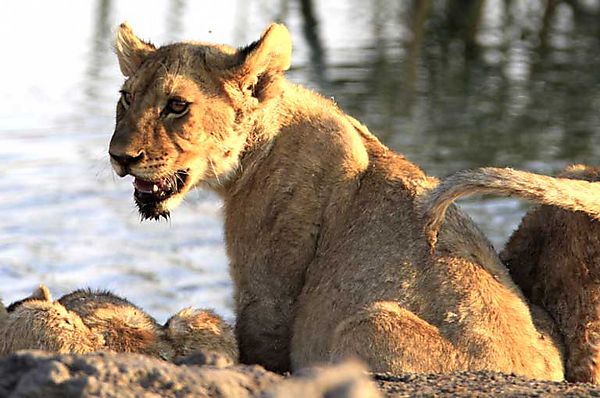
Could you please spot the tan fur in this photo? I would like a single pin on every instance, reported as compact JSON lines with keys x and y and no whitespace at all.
{"x":322,"y":222}
{"x":554,"y":256}
{"x":88,"y":321}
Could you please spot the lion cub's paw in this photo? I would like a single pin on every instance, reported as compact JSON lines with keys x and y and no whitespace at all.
{"x":202,"y":332}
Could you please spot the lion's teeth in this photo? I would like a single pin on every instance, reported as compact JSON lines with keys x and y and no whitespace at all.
{"x":154,"y":188}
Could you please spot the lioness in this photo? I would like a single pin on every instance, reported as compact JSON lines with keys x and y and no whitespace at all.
{"x":554,"y":255}
{"x":87,"y":321}
{"x":322,"y":223}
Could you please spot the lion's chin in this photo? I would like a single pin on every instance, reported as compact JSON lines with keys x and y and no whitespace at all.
{"x":159,"y":209}
{"x":155,"y":198}
{"x":152,"y":211}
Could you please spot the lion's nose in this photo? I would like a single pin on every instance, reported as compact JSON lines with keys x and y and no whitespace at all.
{"x":126,"y":160}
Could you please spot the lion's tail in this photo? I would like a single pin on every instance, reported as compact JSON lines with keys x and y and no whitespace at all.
{"x":568,"y":194}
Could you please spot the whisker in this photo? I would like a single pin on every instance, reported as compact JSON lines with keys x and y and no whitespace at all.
{"x":173,"y":180}
{"x":214,"y":171}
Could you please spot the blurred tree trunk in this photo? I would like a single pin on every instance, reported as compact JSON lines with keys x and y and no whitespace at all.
{"x":464,"y":18}
{"x":311,"y":34}
{"x":549,"y":11}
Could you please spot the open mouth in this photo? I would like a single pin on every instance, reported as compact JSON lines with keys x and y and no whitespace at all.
{"x":150,"y":195}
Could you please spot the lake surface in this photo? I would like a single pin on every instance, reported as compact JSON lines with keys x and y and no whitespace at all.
{"x":452,"y":85}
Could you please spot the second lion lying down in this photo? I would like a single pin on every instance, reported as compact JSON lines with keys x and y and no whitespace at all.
{"x":88,"y":321}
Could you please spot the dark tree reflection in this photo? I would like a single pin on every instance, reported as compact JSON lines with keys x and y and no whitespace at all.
{"x":479,"y":82}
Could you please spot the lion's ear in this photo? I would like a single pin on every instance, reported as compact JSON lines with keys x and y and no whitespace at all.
{"x":131,"y":50}
{"x":273,"y":51}
{"x":265,"y":58}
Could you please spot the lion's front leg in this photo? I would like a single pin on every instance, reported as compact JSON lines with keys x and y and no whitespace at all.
{"x":270,"y":246}
{"x":584,"y":354}
{"x":263,"y":331}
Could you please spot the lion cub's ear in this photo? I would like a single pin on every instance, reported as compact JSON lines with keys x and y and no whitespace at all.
{"x":131,"y":50}
{"x":3,"y":313}
{"x":261,"y":61}
{"x":41,"y":293}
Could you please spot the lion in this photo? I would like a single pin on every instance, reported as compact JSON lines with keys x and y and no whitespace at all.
{"x":554,"y":255}
{"x":94,"y":320}
{"x":323,"y":225}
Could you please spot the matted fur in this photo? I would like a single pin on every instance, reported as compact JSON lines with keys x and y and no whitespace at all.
{"x":88,"y":321}
{"x":322,"y":222}
{"x":554,"y":255}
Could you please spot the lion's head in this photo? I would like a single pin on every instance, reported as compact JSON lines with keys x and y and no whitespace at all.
{"x":185,"y":112}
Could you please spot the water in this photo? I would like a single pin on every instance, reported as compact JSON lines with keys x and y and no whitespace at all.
{"x":452,"y":85}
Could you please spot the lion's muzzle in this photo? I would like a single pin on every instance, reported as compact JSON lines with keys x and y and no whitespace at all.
{"x":122,"y":162}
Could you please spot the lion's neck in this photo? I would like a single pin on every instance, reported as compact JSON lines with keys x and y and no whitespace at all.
{"x":309,"y":132}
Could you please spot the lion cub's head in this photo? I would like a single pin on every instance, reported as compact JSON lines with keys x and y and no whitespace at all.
{"x":185,"y":112}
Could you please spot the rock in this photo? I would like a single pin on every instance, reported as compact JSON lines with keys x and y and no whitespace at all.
{"x":205,"y":357}
{"x":347,"y":380}
{"x":38,"y":374}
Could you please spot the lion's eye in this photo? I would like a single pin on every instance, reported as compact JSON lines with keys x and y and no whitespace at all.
{"x":126,"y":98}
{"x":177,"y":106}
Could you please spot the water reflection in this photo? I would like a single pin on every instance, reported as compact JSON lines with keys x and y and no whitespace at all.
{"x":474,"y":82}
{"x":310,"y":28}
{"x":451,"y":84}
